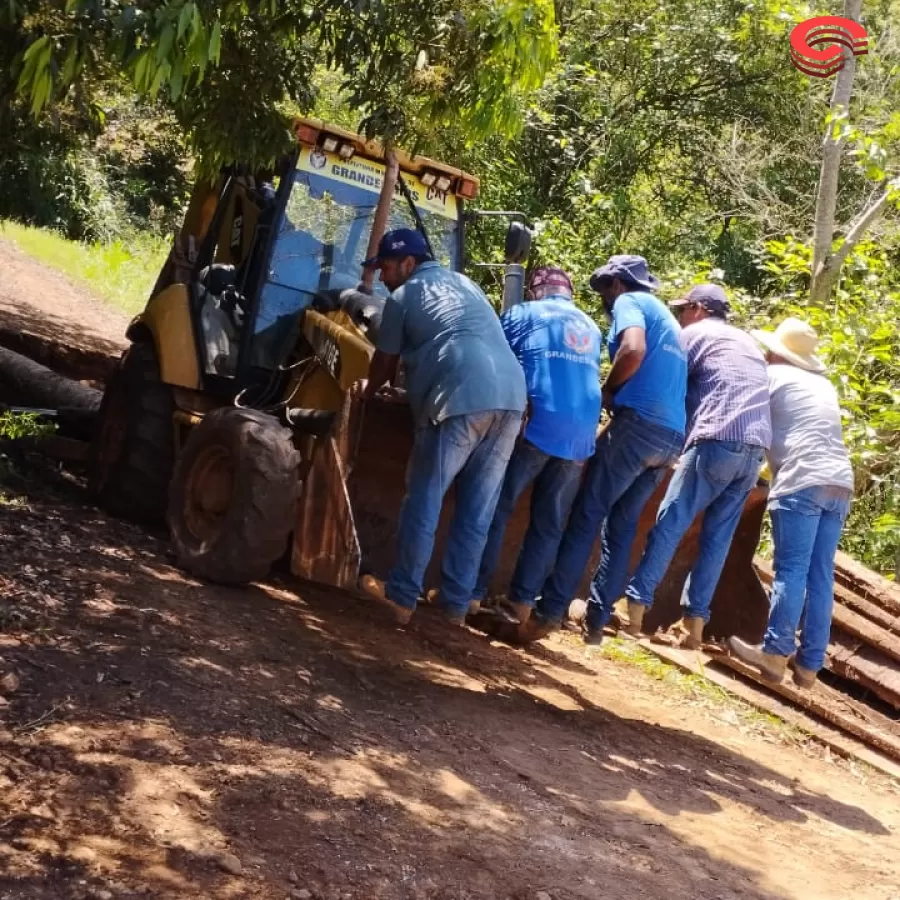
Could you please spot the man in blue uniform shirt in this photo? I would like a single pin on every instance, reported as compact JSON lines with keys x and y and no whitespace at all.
{"x":645,"y":394}
{"x":559,"y":348}
{"x":467,"y":394}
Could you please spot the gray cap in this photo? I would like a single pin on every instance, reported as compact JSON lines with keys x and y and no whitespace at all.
{"x":710,"y":296}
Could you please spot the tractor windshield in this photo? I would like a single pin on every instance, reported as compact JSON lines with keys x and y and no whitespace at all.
{"x":323,"y":237}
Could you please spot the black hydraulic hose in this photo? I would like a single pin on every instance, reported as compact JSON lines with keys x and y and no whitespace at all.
{"x":404,"y":188}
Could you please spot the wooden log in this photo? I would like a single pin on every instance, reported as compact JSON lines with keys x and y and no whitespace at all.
{"x":867,"y":584}
{"x":24,"y":382}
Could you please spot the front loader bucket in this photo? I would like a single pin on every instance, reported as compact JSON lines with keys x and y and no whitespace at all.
{"x":351,"y":506}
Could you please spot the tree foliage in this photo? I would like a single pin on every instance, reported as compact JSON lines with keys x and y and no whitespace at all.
{"x":677,"y":129}
{"x":227,"y":67}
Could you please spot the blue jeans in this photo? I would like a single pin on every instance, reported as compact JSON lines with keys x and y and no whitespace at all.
{"x":806,"y":528}
{"x":715,"y":476}
{"x":631,"y":460}
{"x":473,"y":450}
{"x":556,"y":482}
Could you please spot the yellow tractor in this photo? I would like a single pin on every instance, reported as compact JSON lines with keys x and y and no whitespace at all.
{"x":232,"y":415}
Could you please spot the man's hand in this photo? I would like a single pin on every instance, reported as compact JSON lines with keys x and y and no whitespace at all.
{"x":367,"y":389}
{"x":392,"y":394}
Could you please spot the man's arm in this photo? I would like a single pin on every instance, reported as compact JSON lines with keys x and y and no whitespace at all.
{"x":382,"y":369}
{"x":629,"y":356}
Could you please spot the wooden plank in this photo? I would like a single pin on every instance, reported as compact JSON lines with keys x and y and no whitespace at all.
{"x":849,"y":621}
{"x":868,"y":584}
{"x":861,"y":628}
{"x":699,"y":663}
{"x":850,"y":659}
{"x":836,"y":708}
{"x":845,"y":597}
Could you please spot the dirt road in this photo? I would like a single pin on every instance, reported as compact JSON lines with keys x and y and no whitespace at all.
{"x":164,"y":738}
{"x":40,"y":301}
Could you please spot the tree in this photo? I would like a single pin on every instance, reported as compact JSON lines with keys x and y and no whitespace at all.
{"x":827,"y":260}
{"x":229,"y":68}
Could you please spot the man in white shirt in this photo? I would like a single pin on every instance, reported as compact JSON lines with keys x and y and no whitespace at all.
{"x":812,"y":483}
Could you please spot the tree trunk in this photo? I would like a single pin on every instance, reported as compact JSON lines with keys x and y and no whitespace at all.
{"x":823,"y":276}
{"x":24,"y":382}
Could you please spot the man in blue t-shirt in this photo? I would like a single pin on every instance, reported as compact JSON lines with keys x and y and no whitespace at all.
{"x":559,"y":348}
{"x":645,"y":394}
{"x":467,"y":395}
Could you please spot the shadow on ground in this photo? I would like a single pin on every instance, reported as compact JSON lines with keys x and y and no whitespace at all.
{"x":162,"y":725}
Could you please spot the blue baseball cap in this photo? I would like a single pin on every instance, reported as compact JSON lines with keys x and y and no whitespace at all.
{"x":629,"y":268}
{"x":399,"y":243}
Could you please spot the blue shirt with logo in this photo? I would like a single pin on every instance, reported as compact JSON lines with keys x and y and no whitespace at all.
{"x":559,"y":348}
{"x":656,"y":392}
{"x":456,"y":357}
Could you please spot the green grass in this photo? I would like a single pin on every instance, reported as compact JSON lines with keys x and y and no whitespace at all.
{"x":122,"y":273}
{"x":699,"y":689}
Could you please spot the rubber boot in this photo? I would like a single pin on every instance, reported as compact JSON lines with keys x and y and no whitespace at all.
{"x":770,"y":665}
{"x":635,"y":620}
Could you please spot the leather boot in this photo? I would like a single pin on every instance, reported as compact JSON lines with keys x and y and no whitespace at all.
{"x":691,"y":630}
{"x":374,"y":587}
{"x":635,"y":619}
{"x":432,"y":598}
{"x":803,"y":678}
{"x":770,"y":665}
{"x":521,"y":612}
{"x":534,"y":629}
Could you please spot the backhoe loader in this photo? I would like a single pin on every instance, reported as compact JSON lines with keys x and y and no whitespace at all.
{"x":232,"y":414}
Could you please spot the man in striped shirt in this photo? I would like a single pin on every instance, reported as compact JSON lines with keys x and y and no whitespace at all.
{"x":728,"y":432}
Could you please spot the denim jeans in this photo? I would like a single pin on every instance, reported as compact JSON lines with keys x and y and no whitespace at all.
{"x":473,"y":450}
{"x":556,"y":482}
{"x":806,"y":528}
{"x":631,"y":460}
{"x":713,"y":477}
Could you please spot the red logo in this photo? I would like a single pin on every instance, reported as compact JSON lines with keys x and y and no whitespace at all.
{"x":578,"y":338}
{"x":831,"y":30}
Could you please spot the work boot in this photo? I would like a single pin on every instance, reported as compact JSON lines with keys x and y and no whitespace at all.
{"x":433,"y":596}
{"x":593,"y":637}
{"x":690,"y":628}
{"x":770,"y":665}
{"x":534,"y":629}
{"x":803,"y":678}
{"x":635,"y":620}
{"x":452,"y":618}
{"x":374,"y":587}
{"x":517,"y":612}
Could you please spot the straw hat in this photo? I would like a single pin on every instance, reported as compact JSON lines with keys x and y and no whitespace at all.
{"x":794,"y":341}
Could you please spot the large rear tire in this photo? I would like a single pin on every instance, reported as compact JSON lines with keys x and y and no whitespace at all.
{"x":233,"y":499}
{"x":133,"y":452}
